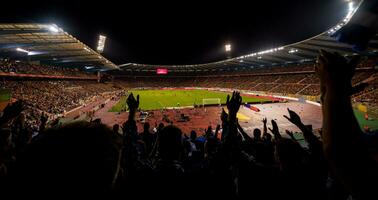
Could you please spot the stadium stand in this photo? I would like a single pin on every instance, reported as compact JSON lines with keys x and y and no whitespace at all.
{"x":42,"y":157}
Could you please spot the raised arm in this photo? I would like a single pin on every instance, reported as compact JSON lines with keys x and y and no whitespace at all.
{"x":275,"y":130}
{"x":133,"y":105}
{"x":341,"y":134}
{"x":310,"y":138}
{"x":233,"y":105}
{"x":265,"y":129}
{"x":244,"y":134}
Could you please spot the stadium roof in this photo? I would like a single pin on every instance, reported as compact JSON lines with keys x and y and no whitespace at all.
{"x":49,"y":43}
{"x":300,"y":52}
{"x":304,"y":51}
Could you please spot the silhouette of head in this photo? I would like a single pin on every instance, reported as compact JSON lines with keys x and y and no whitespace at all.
{"x":78,"y":157}
{"x":170,"y":143}
{"x":256,"y":133}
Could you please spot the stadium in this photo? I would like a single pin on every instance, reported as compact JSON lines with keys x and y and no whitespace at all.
{"x":213,"y":124}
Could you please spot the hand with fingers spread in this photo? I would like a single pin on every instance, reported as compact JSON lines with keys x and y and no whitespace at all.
{"x":265,"y":130}
{"x":233,"y":104}
{"x":264,"y":120}
{"x":275,"y":130}
{"x":293,"y":117}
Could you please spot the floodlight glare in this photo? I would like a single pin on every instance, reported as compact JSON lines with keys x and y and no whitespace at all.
{"x":227,"y":47}
{"x":351,"y":6}
{"x":22,"y":50}
{"x":53,"y":28}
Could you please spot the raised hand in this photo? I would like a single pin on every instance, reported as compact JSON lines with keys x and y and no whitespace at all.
{"x":224,"y":116}
{"x":233,"y":104}
{"x":264,"y":120}
{"x":217,"y":131}
{"x":293,"y":117}
{"x":265,"y":131}
{"x":335,"y":72}
{"x":132,"y":103}
{"x":275,"y":130}
{"x":291,"y":134}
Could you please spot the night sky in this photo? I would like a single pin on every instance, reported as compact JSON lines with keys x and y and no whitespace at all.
{"x":181,"y":32}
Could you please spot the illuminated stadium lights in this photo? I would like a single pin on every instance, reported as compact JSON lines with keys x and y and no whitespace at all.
{"x":259,"y":57}
{"x":85,"y":48}
{"x":22,"y":50}
{"x":53,"y":28}
{"x":101,"y":43}
{"x":262,"y":52}
{"x":227,"y":47}
{"x":351,"y":6}
{"x":351,"y":10}
{"x":293,"y":51}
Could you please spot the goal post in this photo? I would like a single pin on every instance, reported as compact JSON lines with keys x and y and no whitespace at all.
{"x":211,"y":101}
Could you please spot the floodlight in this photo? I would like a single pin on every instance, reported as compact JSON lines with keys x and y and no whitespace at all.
{"x":351,"y":6}
{"x":101,"y":43}
{"x":227,"y":47}
{"x":22,"y":50}
{"x":53,"y":28}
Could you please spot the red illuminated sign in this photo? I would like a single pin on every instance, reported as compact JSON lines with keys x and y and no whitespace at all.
{"x":161,"y":71}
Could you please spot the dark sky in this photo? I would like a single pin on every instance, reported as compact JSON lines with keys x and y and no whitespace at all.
{"x":181,"y":32}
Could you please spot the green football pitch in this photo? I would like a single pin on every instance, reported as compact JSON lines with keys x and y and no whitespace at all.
{"x":372,"y":123}
{"x":158,"y":99}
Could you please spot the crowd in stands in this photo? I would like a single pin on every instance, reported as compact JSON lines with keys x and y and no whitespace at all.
{"x":18,"y":67}
{"x":226,"y":163}
{"x":55,"y":97}
{"x":300,"y":84}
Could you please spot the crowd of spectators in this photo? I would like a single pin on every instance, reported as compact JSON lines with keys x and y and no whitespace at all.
{"x":54,"y":97}
{"x":299,"y":84}
{"x":226,"y":163}
{"x":19,"y":67}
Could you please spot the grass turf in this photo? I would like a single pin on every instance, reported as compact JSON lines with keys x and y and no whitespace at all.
{"x":5,"y":95}
{"x":372,"y":123}
{"x":158,"y":99}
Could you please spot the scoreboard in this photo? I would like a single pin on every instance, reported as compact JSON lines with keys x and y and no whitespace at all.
{"x":161,"y":71}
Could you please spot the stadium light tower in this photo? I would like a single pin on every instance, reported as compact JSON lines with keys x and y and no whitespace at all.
{"x":101,"y":43}
{"x":227,"y":47}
